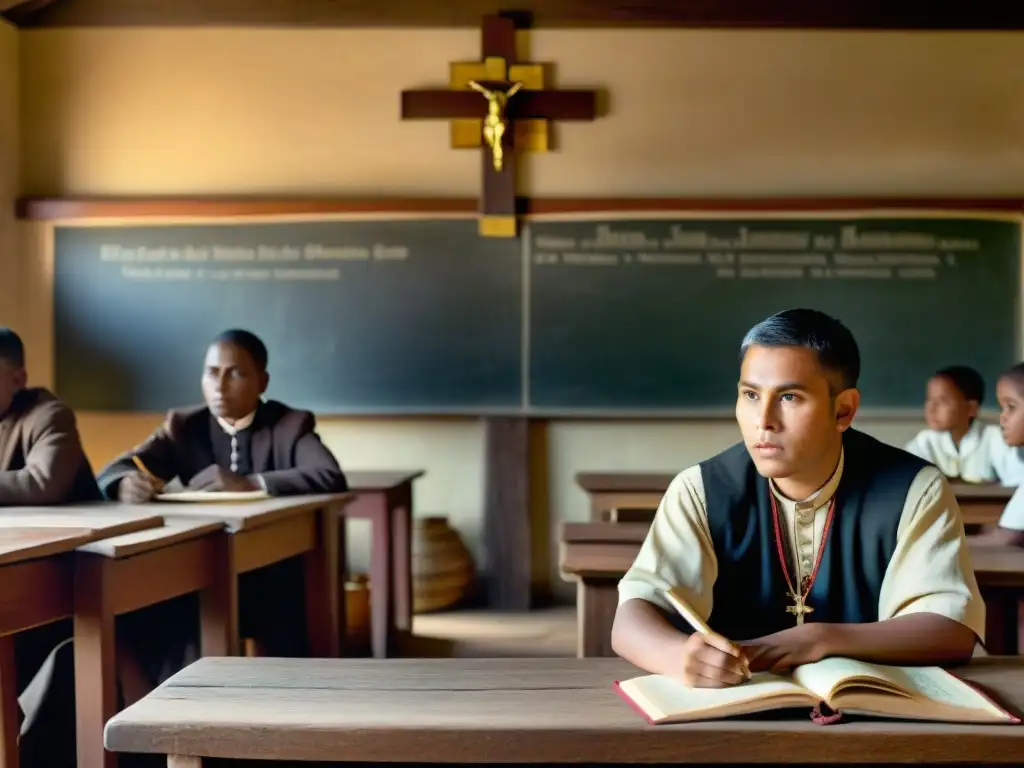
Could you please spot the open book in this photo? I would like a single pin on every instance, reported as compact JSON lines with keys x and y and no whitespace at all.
{"x":855,"y":687}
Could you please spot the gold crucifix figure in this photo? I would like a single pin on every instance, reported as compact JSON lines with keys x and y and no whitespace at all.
{"x":799,"y":608}
{"x":494,"y":123}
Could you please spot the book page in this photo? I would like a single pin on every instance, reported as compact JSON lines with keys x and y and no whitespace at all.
{"x":837,"y":679}
{"x":937,"y":685}
{"x":823,"y":678}
{"x":210,"y":496}
{"x":666,"y":699}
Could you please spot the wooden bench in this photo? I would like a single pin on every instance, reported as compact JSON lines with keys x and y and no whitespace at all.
{"x":597,"y":556}
{"x":490,"y":711}
{"x":124,"y":573}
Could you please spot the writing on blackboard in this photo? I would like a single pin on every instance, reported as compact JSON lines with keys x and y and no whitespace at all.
{"x":185,"y":273}
{"x":849,"y":251}
{"x":270,"y":262}
{"x":262,"y":253}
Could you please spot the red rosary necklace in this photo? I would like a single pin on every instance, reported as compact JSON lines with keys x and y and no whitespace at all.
{"x":800,"y":607}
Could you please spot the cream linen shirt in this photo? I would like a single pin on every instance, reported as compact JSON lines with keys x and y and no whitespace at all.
{"x":930,"y":569}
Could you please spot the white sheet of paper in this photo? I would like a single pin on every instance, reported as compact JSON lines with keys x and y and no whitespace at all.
{"x":208,"y":496}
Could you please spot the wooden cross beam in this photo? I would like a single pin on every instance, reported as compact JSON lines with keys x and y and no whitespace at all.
{"x":501,"y":106}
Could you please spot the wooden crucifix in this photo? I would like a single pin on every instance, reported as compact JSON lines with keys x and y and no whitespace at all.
{"x":501,"y":106}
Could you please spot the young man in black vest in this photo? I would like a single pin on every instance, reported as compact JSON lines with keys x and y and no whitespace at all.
{"x":808,"y":539}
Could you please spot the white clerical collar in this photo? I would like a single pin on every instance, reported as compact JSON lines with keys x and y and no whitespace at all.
{"x":238,"y":426}
{"x":821,"y":496}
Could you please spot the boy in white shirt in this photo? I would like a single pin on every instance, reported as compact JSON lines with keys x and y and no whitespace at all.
{"x":955,"y":441}
{"x":1010,"y":391}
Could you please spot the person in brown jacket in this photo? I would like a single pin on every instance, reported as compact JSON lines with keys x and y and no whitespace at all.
{"x":42,"y":463}
{"x":237,"y":441}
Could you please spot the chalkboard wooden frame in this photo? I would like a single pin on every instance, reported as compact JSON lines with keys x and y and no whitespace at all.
{"x":79,"y":208}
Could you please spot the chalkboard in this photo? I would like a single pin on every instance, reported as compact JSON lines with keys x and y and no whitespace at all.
{"x":359,"y":317}
{"x":608,"y":317}
{"x":635,"y":315}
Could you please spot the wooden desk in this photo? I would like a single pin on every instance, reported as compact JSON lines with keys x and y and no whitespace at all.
{"x":271,"y":530}
{"x":1000,"y":572}
{"x":635,"y":496}
{"x":385,"y":499}
{"x":597,"y":555}
{"x":37,"y":586}
{"x":121,"y":574}
{"x":611,"y":491}
{"x":981,"y":505}
{"x":491,"y":711}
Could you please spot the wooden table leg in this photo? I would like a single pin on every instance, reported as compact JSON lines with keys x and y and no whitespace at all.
{"x":323,"y":581}
{"x":1001,"y":622}
{"x":400,"y":504}
{"x":596,"y":601}
{"x":9,"y":725}
{"x":382,"y":606}
{"x":95,"y":664}
{"x":374,"y":506}
{"x":218,"y":604}
{"x":341,"y":576}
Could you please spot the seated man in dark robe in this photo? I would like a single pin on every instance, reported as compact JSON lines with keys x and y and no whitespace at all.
{"x":42,"y":463}
{"x":235,"y":442}
{"x":808,"y":539}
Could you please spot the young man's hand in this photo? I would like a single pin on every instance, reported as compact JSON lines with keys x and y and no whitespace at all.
{"x":789,"y":648}
{"x":216,"y":478}
{"x":710,"y":661}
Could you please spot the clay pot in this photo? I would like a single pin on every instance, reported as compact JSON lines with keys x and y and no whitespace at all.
{"x":442,"y":568}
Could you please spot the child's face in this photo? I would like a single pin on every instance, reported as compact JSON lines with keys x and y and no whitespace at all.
{"x":1011,"y":414}
{"x":945,"y":407}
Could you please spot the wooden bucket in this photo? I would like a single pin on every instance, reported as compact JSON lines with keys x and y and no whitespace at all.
{"x":442,"y":568}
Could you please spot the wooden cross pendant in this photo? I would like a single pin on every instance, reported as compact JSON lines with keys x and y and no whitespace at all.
{"x":799,"y":608}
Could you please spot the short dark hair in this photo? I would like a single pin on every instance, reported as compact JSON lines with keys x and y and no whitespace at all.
{"x":248,"y":341}
{"x":967,"y":381}
{"x":11,"y":348}
{"x":1015,"y":373}
{"x":831,"y":340}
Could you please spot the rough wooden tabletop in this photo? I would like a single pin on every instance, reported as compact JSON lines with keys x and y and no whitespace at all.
{"x":245,"y":515}
{"x":26,"y":543}
{"x":506,"y":710}
{"x":174,"y":531}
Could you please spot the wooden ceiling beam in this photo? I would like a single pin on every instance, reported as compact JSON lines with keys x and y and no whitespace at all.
{"x":723,"y":14}
{"x":18,"y":12}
